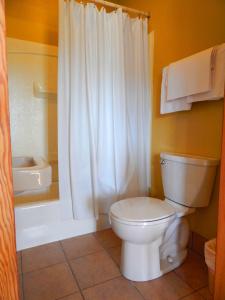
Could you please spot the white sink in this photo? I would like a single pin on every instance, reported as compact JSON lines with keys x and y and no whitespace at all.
{"x":30,"y":175}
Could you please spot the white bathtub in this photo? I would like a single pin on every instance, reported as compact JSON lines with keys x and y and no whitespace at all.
{"x":38,"y":223}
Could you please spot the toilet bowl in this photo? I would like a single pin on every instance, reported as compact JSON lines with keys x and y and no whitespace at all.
{"x":141,"y":223}
{"x":155,"y":233}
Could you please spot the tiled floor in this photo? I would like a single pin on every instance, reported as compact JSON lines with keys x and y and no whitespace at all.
{"x":87,"y":267}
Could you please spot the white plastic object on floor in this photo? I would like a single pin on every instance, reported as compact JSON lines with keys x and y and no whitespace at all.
{"x":210,"y":259}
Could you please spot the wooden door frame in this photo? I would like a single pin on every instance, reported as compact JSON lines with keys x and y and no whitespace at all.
{"x":8,"y":260}
{"x":220,"y":249}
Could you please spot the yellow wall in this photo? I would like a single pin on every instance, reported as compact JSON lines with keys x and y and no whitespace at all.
{"x":182,"y":28}
{"x":33,"y":20}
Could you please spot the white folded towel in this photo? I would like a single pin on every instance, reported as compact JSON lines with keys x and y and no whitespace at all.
{"x":191,"y":75}
{"x":215,"y":93}
{"x":171,"y":106}
{"x":218,"y":79}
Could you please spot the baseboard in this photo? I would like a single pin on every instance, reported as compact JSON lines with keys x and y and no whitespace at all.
{"x":197,"y":243}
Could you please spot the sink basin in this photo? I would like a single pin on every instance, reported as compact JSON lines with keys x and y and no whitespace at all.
{"x":30,"y":175}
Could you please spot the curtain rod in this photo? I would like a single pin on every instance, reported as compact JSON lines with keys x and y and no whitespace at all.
{"x":114,"y":5}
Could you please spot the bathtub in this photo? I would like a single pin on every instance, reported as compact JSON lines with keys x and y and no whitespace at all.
{"x":40,"y":222}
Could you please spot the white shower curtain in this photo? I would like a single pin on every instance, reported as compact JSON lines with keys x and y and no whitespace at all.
{"x":103,"y":109}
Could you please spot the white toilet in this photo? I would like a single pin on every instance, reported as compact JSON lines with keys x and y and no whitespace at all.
{"x":155,"y":233}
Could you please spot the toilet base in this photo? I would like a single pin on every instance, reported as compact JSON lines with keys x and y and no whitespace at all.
{"x":173,"y":263}
{"x":141,"y":262}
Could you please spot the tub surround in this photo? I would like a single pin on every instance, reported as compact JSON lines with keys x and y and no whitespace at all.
{"x":33,"y":120}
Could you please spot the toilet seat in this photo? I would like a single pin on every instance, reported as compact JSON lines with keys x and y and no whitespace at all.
{"x":136,"y":211}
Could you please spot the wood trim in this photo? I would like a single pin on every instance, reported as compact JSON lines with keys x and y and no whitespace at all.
{"x":220,"y":252}
{"x":8,"y":261}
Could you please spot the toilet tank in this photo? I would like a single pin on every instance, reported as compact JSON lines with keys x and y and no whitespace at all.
{"x":188,"y":180}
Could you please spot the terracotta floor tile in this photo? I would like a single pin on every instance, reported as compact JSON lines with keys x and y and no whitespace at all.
{"x":195,"y":296}
{"x":41,"y":257}
{"x":49,"y":283}
{"x":115,"y":253}
{"x":205,"y":293}
{"x":80,"y":246}
{"x":47,"y":275}
{"x":18,"y":254}
{"x":116,"y":289}
{"x":193,"y":271}
{"x":93,"y":269}
{"x":107,"y":238}
{"x":76,"y":296}
{"x":167,"y":287}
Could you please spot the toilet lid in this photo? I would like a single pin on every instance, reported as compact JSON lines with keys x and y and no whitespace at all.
{"x":141,"y":209}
